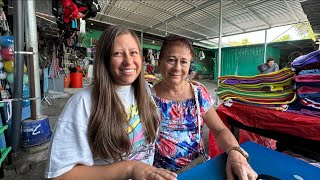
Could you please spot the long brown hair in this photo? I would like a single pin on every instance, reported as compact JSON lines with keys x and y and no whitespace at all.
{"x":106,"y":130}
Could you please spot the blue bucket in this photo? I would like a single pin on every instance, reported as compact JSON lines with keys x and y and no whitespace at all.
{"x":35,"y":132}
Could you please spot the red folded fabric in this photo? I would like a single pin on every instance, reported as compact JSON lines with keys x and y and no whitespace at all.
{"x":290,"y":123}
{"x":308,"y":78}
{"x":308,"y":90}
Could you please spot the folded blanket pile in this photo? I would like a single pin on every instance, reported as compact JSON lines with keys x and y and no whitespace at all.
{"x":307,"y":84}
{"x":275,"y":88}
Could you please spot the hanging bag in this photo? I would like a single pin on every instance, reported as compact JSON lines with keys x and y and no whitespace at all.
{"x":202,"y":157}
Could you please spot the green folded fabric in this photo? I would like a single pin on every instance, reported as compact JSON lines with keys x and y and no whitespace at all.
{"x":275,"y":86}
{"x":274,"y":75}
{"x":258,"y":94}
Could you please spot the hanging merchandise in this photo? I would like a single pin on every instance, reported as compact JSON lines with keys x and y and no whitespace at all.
{"x":10,"y":79}
{"x":3,"y":22}
{"x":7,"y":57}
{"x":71,"y":39}
{"x":54,"y":66}
{"x":56,"y":8}
{"x":94,"y":8}
{"x":7,"y":53}
{"x":25,"y":95}
{"x":75,"y":25}
{"x":157,"y":55}
{"x":151,"y":57}
{"x":201,"y":55}
{"x":3,"y":77}
{"x":82,"y":26}
{"x":9,"y":66}
{"x":6,"y":41}
{"x":7,"y":69}
{"x":71,"y":11}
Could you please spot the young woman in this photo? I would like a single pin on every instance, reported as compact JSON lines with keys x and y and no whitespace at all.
{"x":107,"y":130}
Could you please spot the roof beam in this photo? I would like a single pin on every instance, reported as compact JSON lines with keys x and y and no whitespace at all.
{"x":144,"y":16}
{"x":190,"y":31}
{"x":202,"y":25}
{"x":172,"y":14}
{"x":124,"y":20}
{"x":191,"y":4}
{"x":208,"y":3}
{"x":295,"y":45}
{"x":154,"y":7}
{"x":212,"y":15}
{"x":225,"y":20}
{"x":249,"y":31}
{"x":130,"y":11}
{"x":253,"y":13}
{"x":144,"y":25}
{"x":291,"y":11}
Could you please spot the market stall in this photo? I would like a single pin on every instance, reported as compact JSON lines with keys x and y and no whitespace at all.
{"x":293,"y":129}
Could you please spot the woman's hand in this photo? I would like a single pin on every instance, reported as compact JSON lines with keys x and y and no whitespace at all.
{"x":237,"y":166}
{"x":142,"y":171}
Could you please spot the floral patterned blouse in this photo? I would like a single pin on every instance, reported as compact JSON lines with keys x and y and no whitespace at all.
{"x":177,"y":143}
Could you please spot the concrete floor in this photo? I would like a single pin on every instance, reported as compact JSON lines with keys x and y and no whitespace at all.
{"x":29,"y":164}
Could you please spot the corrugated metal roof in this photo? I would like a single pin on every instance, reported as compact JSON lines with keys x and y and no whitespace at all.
{"x":312,"y":9}
{"x":199,"y":19}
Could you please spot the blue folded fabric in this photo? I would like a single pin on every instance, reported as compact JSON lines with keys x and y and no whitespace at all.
{"x":309,"y":71}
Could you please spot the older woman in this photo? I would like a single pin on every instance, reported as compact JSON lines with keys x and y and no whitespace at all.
{"x":107,"y":130}
{"x":180,"y":139}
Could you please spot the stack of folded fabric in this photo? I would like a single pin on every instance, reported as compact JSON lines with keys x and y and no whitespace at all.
{"x":267,"y":90}
{"x":150,"y":77}
{"x":307,"y":84}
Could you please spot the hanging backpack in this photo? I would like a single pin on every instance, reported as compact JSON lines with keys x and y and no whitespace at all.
{"x":93,"y":8}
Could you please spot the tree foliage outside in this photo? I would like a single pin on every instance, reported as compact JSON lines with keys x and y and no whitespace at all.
{"x":304,"y":30}
{"x":285,"y":37}
{"x":244,"y":41}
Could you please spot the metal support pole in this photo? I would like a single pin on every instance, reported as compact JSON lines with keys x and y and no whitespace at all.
{"x":220,"y":39}
{"x":166,"y":29}
{"x":32,"y":42}
{"x":141,"y":41}
{"x":18,"y":32}
{"x":265,"y":46}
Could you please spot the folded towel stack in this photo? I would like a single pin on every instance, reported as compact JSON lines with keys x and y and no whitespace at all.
{"x":307,"y":84}
{"x":275,"y":88}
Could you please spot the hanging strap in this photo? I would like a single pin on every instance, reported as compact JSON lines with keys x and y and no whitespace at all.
{"x":198,"y":114}
{"x":150,"y":92}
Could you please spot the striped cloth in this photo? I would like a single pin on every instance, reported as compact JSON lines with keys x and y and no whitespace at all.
{"x":264,"y":89}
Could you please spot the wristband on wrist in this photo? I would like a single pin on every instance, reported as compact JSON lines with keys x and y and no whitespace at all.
{"x":240,"y":150}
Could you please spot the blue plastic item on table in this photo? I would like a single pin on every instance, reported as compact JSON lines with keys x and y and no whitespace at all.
{"x":262,"y":160}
